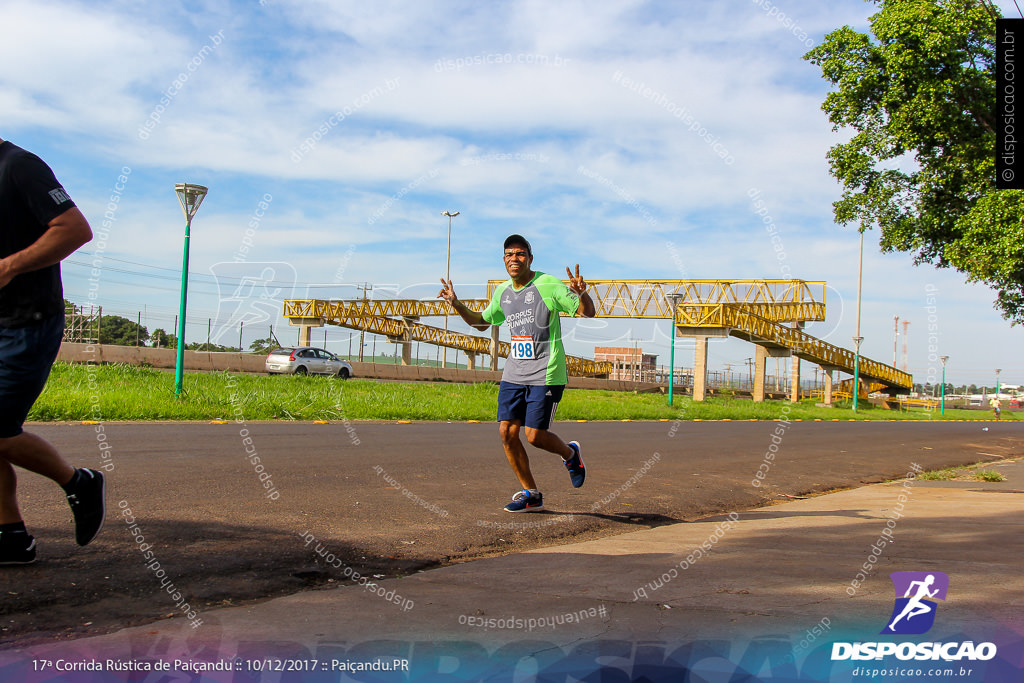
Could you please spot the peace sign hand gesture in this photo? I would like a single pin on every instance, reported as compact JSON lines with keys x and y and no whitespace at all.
{"x":447,"y":292}
{"x":577,"y":284}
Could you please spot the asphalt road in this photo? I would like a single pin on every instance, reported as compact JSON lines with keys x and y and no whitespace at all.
{"x":388,"y":499}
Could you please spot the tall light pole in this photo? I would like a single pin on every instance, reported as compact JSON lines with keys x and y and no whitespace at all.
{"x":447,"y":277}
{"x":856,"y":370}
{"x":942,"y":406}
{"x":673,"y":300}
{"x":190,"y":196}
{"x":998,"y":370}
{"x":364,"y":288}
{"x":857,"y":339}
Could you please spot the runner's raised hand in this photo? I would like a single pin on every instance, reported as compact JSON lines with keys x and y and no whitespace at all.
{"x":576,"y":283}
{"x":447,"y":292}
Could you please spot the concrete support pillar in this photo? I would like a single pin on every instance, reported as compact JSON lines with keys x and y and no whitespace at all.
{"x":406,"y":341}
{"x":763,"y":353}
{"x":470,"y":360}
{"x":494,"y":347}
{"x":700,"y":368}
{"x":305,"y":331}
{"x":794,"y":394}
{"x":827,"y":398}
{"x":760,"y":356}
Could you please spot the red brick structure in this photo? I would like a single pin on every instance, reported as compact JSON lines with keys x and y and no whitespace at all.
{"x":631,"y":363}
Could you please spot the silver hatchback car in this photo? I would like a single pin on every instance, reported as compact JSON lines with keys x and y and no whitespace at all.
{"x":303,"y":360}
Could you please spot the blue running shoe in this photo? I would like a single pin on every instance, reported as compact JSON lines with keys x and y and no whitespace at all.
{"x":524,"y":501}
{"x":577,"y":470}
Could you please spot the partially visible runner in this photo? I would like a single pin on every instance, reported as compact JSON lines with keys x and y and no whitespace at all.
{"x":996,"y":407}
{"x":535,"y":371}
{"x":39,"y":227}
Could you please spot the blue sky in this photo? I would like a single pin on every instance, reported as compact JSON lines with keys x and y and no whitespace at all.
{"x":625,"y":136}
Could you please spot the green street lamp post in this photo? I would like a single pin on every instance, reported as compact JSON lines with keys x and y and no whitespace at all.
{"x":673,"y":300}
{"x":190,"y":196}
{"x":942,"y":405}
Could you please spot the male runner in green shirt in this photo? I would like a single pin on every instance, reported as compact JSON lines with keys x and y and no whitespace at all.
{"x":535,"y":374}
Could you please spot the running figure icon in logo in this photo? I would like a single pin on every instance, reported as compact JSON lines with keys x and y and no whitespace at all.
{"x":913,"y":613}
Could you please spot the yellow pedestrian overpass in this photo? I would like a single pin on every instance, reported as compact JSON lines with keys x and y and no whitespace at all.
{"x":768,"y":313}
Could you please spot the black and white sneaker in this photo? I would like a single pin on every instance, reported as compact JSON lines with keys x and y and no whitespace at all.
{"x":88,"y":504}
{"x":17,"y":548}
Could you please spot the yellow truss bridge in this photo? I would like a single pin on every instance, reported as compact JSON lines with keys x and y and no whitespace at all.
{"x":753,"y":310}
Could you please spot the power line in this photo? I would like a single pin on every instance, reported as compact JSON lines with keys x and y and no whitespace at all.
{"x":203,"y":277}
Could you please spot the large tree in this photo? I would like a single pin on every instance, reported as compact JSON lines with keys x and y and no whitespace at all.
{"x":918,"y":96}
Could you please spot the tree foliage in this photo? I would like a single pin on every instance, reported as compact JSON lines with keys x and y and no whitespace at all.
{"x":918,"y":96}
{"x":204,"y":346}
{"x":121,"y":331}
{"x":263,"y":345}
{"x":161,"y":340}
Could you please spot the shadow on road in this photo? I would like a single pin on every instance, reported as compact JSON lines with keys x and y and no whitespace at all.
{"x":115,"y":581}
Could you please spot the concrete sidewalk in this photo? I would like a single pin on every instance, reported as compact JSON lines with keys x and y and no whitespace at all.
{"x":799,"y":574}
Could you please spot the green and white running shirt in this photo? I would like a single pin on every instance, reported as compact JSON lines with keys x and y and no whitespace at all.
{"x":537,"y":357}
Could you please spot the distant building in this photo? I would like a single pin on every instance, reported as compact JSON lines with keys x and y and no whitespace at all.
{"x":630,"y":363}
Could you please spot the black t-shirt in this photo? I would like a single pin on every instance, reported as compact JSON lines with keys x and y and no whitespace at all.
{"x":30,"y":197}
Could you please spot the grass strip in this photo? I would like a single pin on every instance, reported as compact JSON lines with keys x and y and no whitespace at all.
{"x":976,"y":472}
{"x":119,"y":392}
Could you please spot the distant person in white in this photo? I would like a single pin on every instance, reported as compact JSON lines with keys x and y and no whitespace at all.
{"x":915,"y":606}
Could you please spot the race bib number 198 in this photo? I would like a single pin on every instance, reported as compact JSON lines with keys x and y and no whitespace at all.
{"x":522,"y":347}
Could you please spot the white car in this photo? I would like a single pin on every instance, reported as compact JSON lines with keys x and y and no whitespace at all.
{"x":306,"y":360}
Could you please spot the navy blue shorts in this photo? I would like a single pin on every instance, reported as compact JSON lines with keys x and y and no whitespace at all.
{"x":26,"y":356}
{"x":530,"y":406}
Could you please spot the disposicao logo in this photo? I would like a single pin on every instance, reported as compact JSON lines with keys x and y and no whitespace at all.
{"x":912,"y":614}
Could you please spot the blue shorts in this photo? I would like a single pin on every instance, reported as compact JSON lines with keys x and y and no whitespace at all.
{"x":530,"y":406}
{"x":26,"y":356}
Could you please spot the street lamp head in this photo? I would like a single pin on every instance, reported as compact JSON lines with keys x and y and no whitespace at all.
{"x":190,"y":196}
{"x":449,"y":214}
{"x":674,"y":300}
{"x":943,"y":359}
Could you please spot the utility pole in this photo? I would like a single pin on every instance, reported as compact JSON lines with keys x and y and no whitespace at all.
{"x":906,"y":334}
{"x":895,"y":338}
